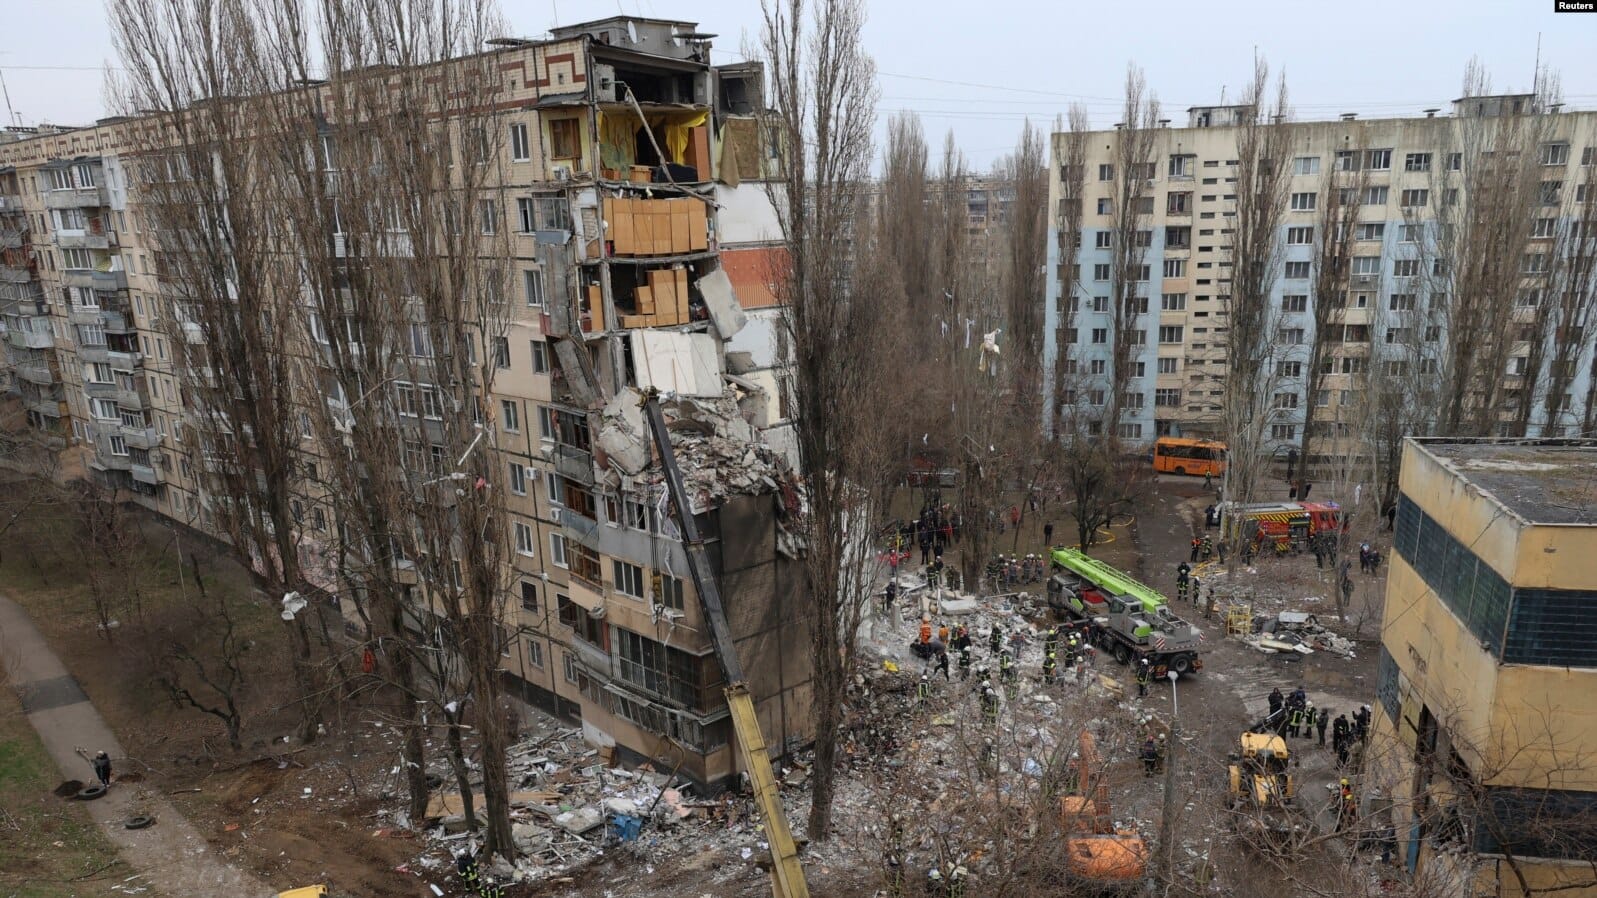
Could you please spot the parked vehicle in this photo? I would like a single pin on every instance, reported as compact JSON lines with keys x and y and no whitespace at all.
{"x":1130,"y":620}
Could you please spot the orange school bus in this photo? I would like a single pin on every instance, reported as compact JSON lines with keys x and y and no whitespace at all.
{"x":1180,"y":455}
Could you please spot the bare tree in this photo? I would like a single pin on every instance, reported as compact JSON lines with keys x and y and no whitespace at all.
{"x":1562,"y":318}
{"x":1070,"y":151}
{"x":1252,"y":352}
{"x":824,"y":97}
{"x":191,"y":66}
{"x":1101,"y":484}
{"x":1023,"y":273}
{"x":1341,"y":200}
{"x":1134,"y":170}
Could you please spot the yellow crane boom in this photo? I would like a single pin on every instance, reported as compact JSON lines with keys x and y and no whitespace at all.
{"x":787,"y":875}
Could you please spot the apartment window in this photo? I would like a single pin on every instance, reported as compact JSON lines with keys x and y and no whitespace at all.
{"x":1130,"y":431}
{"x":1181,"y":165}
{"x":1378,"y":160}
{"x":1106,"y":172}
{"x":1283,"y":431}
{"x":60,"y":179}
{"x":1100,"y":335}
{"x":509,"y":415}
{"x":1376,"y":196}
{"x":1366,"y":266}
{"x":1178,"y":204}
{"x":1400,"y":302}
{"x":1170,"y":333}
{"x":1097,"y":366}
{"x":1347,"y":160}
{"x":1169,"y":366}
{"x":540,"y":357}
{"x":1289,"y":369}
{"x":1408,"y":233}
{"x":1178,"y":237}
{"x":1175,"y":268}
{"x":1100,"y":272}
{"x":488,"y":213}
{"x":1555,"y":154}
{"x":1291,"y":336}
{"x":119,"y":446}
{"x":1450,"y":197}
{"x":1544,"y":227}
{"x":1305,"y":202}
{"x":1455,"y":161}
{"x":1173,"y":302}
{"x":1306,"y":165}
{"x":524,"y":538}
{"x":1141,"y":272}
{"x":526,"y":217}
{"x":1295,"y":302}
{"x":1551,"y":192}
{"x":1417,"y":162}
{"x":1299,"y":236}
{"x":668,"y":592}
{"x":1582,"y":193}
{"x":1106,"y":206}
{"x":1535,"y":263}
{"x":1286,"y":401}
{"x":628,"y":578}
{"x":518,"y":479}
{"x":421,"y":343}
{"x":564,"y":141}
{"x":1103,"y":239}
{"x":1369,"y":230}
{"x":1405,"y":268}
{"x":77,"y":259}
{"x":1413,"y":199}
{"x":1529,"y":299}
{"x":520,"y":150}
{"x":1167,"y":396}
{"x":1297,"y":271}
{"x":557,"y":549}
{"x":98,"y":373}
{"x":91,"y":335}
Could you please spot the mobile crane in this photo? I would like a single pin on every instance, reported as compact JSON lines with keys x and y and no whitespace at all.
{"x":787,"y":875}
{"x":1131,"y":620}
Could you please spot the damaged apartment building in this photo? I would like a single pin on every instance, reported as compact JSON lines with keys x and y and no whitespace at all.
{"x":644,"y":246}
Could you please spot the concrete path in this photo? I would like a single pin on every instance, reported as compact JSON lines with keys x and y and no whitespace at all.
{"x":173,"y":856}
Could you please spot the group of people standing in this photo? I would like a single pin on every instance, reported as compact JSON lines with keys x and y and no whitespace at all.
{"x":1294,"y":716}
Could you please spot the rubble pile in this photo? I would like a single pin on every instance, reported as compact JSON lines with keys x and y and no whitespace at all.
{"x":569,"y":807}
{"x":718,"y":451}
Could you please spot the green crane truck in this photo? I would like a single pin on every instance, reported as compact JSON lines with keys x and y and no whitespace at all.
{"x":1129,"y":620}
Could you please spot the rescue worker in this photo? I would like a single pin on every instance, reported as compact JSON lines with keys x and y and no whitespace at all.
{"x":1347,"y":807}
{"x":1341,"y":733}
{"x":956,"y":881}
{"x":1183,"y":570}
{"x":1049,"y":661}
{"x":893,"y":857}
{"x":1150,"y":757}
{"x":1309,"y":716}
{"x":964,"y":660}
{"x":1320,"y":724}
{"x":1197,"y":544}
{"x":942,"y":634}
{"x":995,"y":639}
{"x":1050,"y":640}
{"x":942,"y":664}
{"x":1206,"y":547}
{"x":1008,"y":675}
{"x":1294,"y":722}
{"x":466,"y":867}
{"x":989,"y":705}
{"x":1197,"y":584}
{"x":1361,"y":723}
{"x":925,"y":630}
{"x":1275,"y":700}
{"x":1144,"y":676}
{"x":923,"y":693}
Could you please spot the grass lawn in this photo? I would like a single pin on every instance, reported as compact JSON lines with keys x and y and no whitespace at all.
{"x":49,"y":848}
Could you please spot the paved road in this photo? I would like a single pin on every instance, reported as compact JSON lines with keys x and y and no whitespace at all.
{"x":173,"y":856}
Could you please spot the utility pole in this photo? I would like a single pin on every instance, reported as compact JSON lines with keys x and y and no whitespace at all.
{"x":1167,"y":821}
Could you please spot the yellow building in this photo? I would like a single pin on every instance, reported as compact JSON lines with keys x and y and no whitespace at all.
{"x":1486,"y":722}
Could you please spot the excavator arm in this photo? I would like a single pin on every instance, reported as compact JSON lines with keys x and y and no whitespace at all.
{"x":787,"y":875}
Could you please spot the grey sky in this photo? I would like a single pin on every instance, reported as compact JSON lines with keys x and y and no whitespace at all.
{"x":1017,"y":57}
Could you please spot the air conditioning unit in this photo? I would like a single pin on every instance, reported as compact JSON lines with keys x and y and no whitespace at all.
{"x":562,"y":172}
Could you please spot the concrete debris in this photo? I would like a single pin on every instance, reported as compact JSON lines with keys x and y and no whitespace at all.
{"x":579,"y":821}
{"x":957,"y":605}
{"x":1296,"y":632}
{"x":622,"y":432}
{"x":717,"y":452}
{"x":722,"y":303}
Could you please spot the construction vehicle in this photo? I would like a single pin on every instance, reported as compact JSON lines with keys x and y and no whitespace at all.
{"x":1098,"y":857}
{"x":787,"y":875}
{"x":1130,"y":620}
{"x":1282,"y":524}
{"x":1260,"y":786}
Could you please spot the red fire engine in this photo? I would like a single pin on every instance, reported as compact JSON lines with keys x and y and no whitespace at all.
{"x":1286,"y":523}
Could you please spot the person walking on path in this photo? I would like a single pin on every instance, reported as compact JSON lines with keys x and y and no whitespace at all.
{"x":1320,"y":722}
{"x":1048,"y":535}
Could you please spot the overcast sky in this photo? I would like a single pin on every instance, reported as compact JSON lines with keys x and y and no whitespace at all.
{"x":981,"y":68}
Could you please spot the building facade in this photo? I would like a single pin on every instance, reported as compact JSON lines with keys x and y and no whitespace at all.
{"x":1393,"y":320}
{"x":628,"y":179}
{"x":1487,"y":692}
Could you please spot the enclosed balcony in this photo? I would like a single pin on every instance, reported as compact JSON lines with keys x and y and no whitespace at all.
{"x":77,"y":198}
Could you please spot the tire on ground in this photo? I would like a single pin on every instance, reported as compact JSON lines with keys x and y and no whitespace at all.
{"x":141,"y":821}
{"x":90,"y":793}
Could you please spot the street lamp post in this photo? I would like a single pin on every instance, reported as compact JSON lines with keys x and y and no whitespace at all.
{"x":1167,"y":824}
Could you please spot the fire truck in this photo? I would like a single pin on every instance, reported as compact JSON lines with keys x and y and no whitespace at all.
{"x":1284,"y":523}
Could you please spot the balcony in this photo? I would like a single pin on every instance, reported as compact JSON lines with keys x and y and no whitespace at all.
{"x":95,"y":280}
{"x":83,"y":240}
{"x":145,"y":474}
{"x":141,"y":437}
{"x":10,"y":238}
{"x":128,"y":399}
{"x":15,"y":274}
{"x":44,"y":405}
{"x":83,"y":314}
{"x":573,"y":463}
{"x":126,"y":361}
{"x":10,"y":202}
{"x":105,"y":461}
{"x":35,"y":373}
{"x":30,"y":340}
{"x":116,"y":322}
{"x":76,"y":198}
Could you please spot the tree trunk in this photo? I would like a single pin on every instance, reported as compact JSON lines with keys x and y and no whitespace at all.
{"x":457,"y":761}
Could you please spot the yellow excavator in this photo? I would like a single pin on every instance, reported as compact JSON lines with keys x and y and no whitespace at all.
{"x":787,"y":875}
